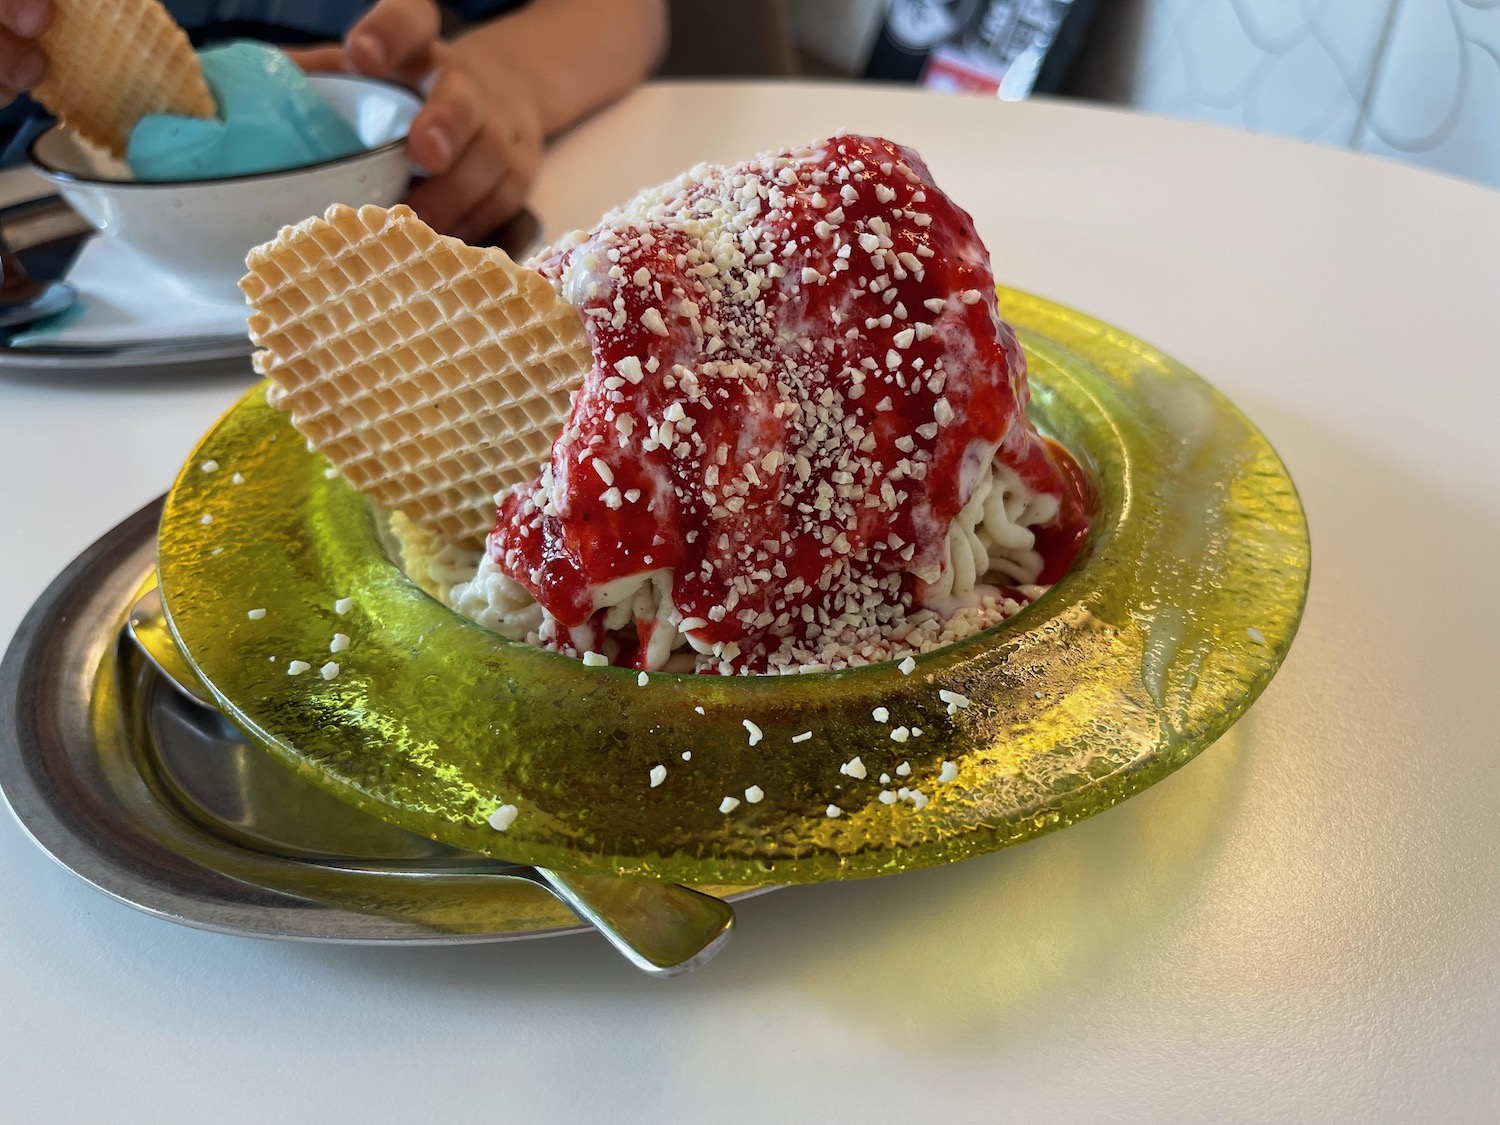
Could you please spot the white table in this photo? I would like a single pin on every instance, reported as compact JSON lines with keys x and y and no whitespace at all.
{"x":1303,"y":925}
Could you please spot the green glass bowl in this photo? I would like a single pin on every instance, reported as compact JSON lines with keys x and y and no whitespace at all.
{"x":1181,"y":607}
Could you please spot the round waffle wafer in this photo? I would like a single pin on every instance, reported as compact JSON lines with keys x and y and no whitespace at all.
{"x":112,"y":62}
{"x":432,"y":374}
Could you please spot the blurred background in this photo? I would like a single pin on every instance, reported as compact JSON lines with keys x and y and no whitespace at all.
{"x":1412,"y":80}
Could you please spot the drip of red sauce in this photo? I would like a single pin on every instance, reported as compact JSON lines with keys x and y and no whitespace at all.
{"x":1059,"y":540}
{"x":799,"y":372}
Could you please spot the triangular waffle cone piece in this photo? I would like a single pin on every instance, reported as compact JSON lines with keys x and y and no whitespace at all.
{"x":112,"y":62}
{"x":432,"y":374}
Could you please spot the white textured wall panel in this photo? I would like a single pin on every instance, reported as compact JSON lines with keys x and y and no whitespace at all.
{"x":1415,"y":80}
{"x":1436,"y":100}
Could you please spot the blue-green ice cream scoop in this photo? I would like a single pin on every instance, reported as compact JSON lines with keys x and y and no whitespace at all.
{"x":270,"y":118}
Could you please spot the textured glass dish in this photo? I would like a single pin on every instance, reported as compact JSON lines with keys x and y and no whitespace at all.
{"x":1179,"y":610}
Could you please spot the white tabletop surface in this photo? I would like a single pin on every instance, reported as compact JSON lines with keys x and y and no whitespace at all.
{"x":1302,"y":925}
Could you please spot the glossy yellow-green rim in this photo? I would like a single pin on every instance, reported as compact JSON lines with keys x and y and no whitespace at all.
{"x":1179,"y":611}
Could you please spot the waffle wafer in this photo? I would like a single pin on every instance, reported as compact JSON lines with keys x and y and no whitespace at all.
{"x":430,"y":373}
{"x":112,"y":62}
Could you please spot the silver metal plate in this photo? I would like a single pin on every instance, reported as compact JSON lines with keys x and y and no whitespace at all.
{"x":160,"y":803}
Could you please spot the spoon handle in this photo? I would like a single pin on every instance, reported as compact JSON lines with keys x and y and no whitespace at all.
{"x":663,"y":929}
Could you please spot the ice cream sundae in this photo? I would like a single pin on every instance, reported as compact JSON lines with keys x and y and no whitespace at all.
{"x":800,"y":443}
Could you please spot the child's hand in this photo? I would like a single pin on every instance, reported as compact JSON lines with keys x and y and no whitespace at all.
{"x":22,"y":64}
{"x":478,"y":138}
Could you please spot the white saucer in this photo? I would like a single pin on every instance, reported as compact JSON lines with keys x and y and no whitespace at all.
{"x":144,"y":319}
{"x":129,"y":315}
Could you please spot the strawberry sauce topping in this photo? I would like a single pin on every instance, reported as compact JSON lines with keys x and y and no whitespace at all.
{"x":800,"y":376}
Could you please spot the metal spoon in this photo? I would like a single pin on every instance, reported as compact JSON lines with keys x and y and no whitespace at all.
{"x":661,"y":928}
{"x":24,"y":299}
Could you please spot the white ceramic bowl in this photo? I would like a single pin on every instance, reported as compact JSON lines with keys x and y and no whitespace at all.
{"x":201,"y":230}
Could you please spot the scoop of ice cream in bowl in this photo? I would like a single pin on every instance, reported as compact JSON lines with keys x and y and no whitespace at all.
{"x":192,"y":195}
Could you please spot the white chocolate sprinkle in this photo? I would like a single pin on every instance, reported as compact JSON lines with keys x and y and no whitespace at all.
{"x":592,"y":659}
{"x":754,"y":731}
{"x":653,"y":322}
{"x":339,"y":643}
{"x":297,"y":667}
{"x":729,"y":804}
{"x":630,"y":368}
{"x":755,"y":794}
{"x":503,"y":817}
{"x":343,"y":606}
{"x":256,"y":614}
{"x":658,"y":775}
{"x":329,"y":670}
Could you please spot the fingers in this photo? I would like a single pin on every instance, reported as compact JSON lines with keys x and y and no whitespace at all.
{"x":394,"y":36}
{"x":481,"y":188}
{"x":320,"y":60}
{"x":502,"y":203}
{"x":27,"y":18}
{"x":443,"y":200}
{"x":22,"y":65}
{"x":448,"y":123}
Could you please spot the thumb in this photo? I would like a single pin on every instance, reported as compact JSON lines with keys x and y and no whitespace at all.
{"x":314,"y":60}
{"x":393,"y":37}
